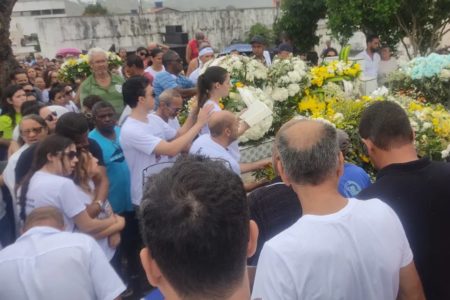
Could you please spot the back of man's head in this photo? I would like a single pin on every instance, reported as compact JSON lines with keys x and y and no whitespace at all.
{"x":44,"y":216}
{"x":195,"y":224}
{"x":219,"y":121}
{"x":308,"y":151}
{"x":135,"y":61}
{"x":386,"y":124}
{"x":72,"y":125}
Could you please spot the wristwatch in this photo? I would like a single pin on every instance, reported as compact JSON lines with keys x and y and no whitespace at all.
{"x":100,"y":203}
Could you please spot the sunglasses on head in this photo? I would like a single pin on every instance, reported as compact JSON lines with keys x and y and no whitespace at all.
{"x":51,"y":116}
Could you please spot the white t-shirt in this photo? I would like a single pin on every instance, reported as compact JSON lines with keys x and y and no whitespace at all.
{"x":216,"y":107}
{"x":193,"y":77}
{"x":353,"y":254}
{"x":153,"y":72}
{"x":103,"y":243}
{"x":204,"y":145}
{"x":370,"y":65}
{"x":47,"y":189}
{"x":164,"y":131}
{"x":138,"y":144}
{"x":45,"y":263}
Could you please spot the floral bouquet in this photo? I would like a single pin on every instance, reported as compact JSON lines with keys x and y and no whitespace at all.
{"x":246,"y":70}
{"x":287,"y":80}
{"x":79,"y":68}
{"x":427,"y":78}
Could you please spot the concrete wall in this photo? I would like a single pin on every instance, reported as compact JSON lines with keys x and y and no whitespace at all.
{"x":131,"y":31}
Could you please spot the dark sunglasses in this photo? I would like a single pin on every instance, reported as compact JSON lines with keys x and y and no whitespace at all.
{"x":143,"y":53}
{"x":36,"y":130}
{"x":51,"y":117}
{"x":71,"y":154}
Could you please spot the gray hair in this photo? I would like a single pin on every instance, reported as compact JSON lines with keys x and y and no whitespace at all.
{"x":309,"y":164}
{"x":93,"y":51}
{"x":168,"y":95}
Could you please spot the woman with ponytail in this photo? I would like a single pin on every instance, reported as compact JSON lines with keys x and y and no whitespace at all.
{"x":47,"y":184}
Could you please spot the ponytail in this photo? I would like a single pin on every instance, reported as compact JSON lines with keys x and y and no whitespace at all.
{"x":206,"y":81}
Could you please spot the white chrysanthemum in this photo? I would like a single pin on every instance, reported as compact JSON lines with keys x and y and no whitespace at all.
{"x":426,"y":125}
{"x":293,"y":89}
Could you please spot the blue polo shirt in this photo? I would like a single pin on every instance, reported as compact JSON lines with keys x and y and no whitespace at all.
{"x":164,"y":80}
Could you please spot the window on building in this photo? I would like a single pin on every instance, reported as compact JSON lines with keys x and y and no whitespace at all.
{"x":59,"y":11}
{"x":46,"y":12}
{"x":35,"y":12}
{"x":25,"y":13}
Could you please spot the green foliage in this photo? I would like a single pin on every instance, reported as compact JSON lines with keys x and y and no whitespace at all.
{"x":95,"y":10}
{"x":422,"y":22}
{"x":261,"y":30}
{"x":375,"y":16}
{"x":299,"y":20}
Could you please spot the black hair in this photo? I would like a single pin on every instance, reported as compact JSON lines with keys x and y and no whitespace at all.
{"x":206,"y":81}
{"x":386,"y":124}
{"x":134,"y":88}
{"x":55,"y":89}
{"x":100,"y":105}
{"x":371,"y":37}
{"x":12,"y":76}
{"x":203,"y":251}
{"x":139,"y":49}
{"x":90,"y":101}
{"x":134,"y":60}
{"x":50,"y":145}
{"x":8,"y":108}
{"x":31,"y":108}
{"x":72,"y":125}
{"x":155,"y":52}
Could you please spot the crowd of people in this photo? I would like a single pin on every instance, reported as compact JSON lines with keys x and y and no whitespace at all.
{"x":106,"y":195}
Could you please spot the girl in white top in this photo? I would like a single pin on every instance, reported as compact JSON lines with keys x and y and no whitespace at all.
{"x":47,"y":185}
{"x":156,"y":67}
{"x":212,"y":86}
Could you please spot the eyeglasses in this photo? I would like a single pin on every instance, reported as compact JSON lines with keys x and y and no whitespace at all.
{"x":71,"y":154}
{"x":36,"y":130}
{"x":143,"y":53}
{"x":51,"y":117}
{"x":28,"y":91}
{"x":174,"y":109}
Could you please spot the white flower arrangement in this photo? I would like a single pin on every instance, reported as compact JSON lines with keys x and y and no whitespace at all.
{"x":287,"y":78}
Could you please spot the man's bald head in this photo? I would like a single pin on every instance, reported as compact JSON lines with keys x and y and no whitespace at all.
{"x":44,"y":216}
{"x":219,"y":121}
{"x":308,"y":151}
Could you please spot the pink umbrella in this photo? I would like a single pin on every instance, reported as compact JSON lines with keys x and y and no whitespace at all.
{"x":68,"y":51}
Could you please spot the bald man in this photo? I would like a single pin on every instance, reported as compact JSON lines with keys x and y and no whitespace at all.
{"x":224,"y":130}
{"x":340,"y":248}
{"x":49,"y":263}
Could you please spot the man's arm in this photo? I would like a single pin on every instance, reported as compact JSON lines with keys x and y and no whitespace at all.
{"x":253,"y":166}
{"x":187,"y":93}
{"x":410,"y":286}
{"x":188,"y":53}
{"x":101,"y":184}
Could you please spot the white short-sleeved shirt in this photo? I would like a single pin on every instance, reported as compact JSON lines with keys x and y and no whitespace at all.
{"x":164,"y":131}
{"x":47,"y":189}
{"x":353,"y":254}
{"x":370,"y":64}
{"x":152,"y":72}
{"x":174,"y":123}
{"x":204,"y":145}
{"x":138,"y":144}
{"x":45,"y":263}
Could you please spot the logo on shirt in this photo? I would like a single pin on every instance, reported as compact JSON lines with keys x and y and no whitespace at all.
{"x":352,"y":188}
{"x":117,"y":156}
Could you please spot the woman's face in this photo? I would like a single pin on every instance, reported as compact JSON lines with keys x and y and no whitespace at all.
{"x":31,"y":73}
{"x":224,"y":88}
{"x":157,"y":60}
{"x":32,"y":132}
{"x":18,"y":99}
{"x":69,"y":160}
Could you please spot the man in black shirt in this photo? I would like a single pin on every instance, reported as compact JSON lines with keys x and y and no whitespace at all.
{"x":417,"y":189}
{"x":274,"y":208}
